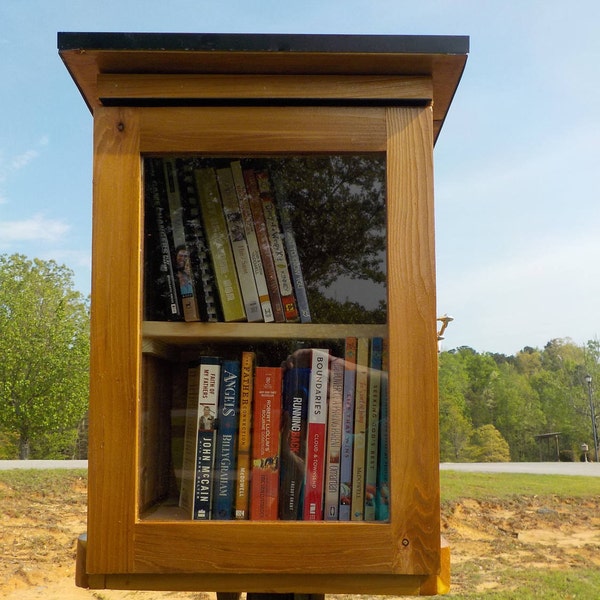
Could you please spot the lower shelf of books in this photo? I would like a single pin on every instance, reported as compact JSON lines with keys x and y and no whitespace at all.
{"x":258,"y":432}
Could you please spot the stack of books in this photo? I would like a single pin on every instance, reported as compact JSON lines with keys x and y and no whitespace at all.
{"x":304,"y":441}
{"x":219,"y":244}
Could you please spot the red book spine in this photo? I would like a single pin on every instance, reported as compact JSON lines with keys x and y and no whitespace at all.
{"x":264,"y":491}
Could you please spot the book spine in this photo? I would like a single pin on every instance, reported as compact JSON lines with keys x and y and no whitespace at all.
{"x":242,"y":492}
{"x":265,"y":444}
{"x":360,"y":426}
{"x":206,"y":288}
{"x":296,"y":384}
{"x":190,"y":442}
{"x":316,"y":440}
{"x":277,"y":248}
{"x":347,"y":429}
{"x":218,"y":243}
{"x":181,"y":255}
{"x":227,"y":427}
{"x":334,"y":440}
{"x":166,"y":275}
{"x":382,"y":497}
{"x":208,"y":402}
{"x":372,"y":441}
{"x":253,"y":247}
{"x":237,"y":236}
{"x":262,"y":236}
{"x":292,"y":252}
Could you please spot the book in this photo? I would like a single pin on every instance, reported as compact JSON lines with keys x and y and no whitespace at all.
{"x":264,"y":246}
{"x":292,"y":251}
{"x":264,"y":490}
{"x":219,"y":245}
{"x":334,"y":439}
{"x":357,"y":505}
{"x":181,"y":254}
{"x":239,"y":246}
{"x":227,"y":430}
{"x":206,"y":288}
{"x":316,"y":439}
{"x":208,"y":402}
{"x":242,"y":490}
{"x":162,"y":299}
{"x":190,"y":442}
{"x":372,"y":432}
{"x":347,"y":429}
{"x":252,"y":241}
{"x":296,"y":382}
{"x":382,"y":496}
{"x":280,"y":261}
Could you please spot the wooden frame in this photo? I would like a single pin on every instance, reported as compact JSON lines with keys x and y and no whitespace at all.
{"x":132,"y":361}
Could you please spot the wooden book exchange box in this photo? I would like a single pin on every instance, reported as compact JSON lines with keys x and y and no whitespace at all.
{"x":313,"y":153}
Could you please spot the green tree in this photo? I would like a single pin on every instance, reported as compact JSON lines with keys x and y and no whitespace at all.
{"x":488,"y":445}
{"x":44,"y":351}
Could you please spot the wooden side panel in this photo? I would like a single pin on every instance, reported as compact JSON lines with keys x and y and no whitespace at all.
{"x":115,"y":341}
{"x":413,"y":346}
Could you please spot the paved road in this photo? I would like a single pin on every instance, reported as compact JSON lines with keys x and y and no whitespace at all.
{"x":539,"y":468}
{"x":5,"y":465}
{"x":535,"y":468}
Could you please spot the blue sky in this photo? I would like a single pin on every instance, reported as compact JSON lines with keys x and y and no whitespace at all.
{"x":517,"y":168}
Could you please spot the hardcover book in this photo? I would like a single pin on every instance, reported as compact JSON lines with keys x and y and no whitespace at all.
{"x":360,"y":427}
{"x":347,"y":429}
{"x":242,"y":493}
{"x":181,"y":254}
{"x":208,"y":402}
{"x":334,"y":439}
{"x":253,"y":247}
{"x":280,"y":261}
{"x":264,"y":496}
{"x":372,"y":433}
{"x":262,"y":236}
{"x":316,"y":441}
{"x":227,"y":433}
{"x":292,"y":253}
{"x":296,"y":384}
{"x":219,"y":245}
{"x":237,"y":236}
{"x":162,"y":299}
{"x":204,"y":277}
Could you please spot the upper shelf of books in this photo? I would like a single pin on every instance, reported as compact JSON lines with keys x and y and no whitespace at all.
{"x":283,"y":239}
{"x":124,"y":68}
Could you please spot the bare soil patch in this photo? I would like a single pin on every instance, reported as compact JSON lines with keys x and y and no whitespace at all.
{"x":39,"y":529}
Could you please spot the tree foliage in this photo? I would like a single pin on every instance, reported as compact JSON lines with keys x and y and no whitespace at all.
{"x":44,"y":352}
{"x":523,"y":396}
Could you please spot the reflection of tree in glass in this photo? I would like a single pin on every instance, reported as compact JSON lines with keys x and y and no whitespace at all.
{"x":338,"y":215}
{"x":337,"y":206}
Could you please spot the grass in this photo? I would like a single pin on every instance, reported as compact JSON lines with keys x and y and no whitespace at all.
{"x":36,"y":482}
{"x":457,"y":485}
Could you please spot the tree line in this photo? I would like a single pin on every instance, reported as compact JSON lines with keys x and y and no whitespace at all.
{"x":495,"y":407}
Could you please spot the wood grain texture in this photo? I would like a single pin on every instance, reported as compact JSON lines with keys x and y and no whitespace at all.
{"x":267,"y":87}
{"x":412,"y":344}
{"x":262,"y":130}
{"x":115,"y":341}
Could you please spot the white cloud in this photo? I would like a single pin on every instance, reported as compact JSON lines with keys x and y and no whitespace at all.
{"x":36,"y":228}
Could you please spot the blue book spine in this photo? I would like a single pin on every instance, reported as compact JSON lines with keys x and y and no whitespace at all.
{"x":293,"y":442}
{"x":227,"y":426}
